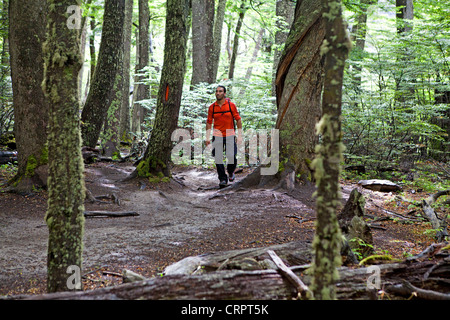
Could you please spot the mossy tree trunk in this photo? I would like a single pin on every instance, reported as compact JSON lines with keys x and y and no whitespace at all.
{"x":111,"y":135}
{"x":64,"y":215}
{"x":157,"y":156}
{"x":328,"y":239}
{"x":109,"y":62}
{"x":27,"y":33}
{"x":298,"y":84}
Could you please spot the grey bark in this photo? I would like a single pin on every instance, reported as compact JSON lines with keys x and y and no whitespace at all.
{"x":26,"y":36}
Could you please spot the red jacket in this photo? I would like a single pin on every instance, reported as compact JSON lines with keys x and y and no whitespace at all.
{"x":223,"y":118}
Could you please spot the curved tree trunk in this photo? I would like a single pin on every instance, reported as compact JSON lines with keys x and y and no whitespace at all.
{"x":298,"y":88}
{"x":298,"y":83}
{"x":27,"y":33}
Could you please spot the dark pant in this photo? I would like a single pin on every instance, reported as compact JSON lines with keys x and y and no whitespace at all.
{"x":220,"y":143}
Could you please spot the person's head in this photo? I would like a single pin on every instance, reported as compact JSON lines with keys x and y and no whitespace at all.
{"x":220,"y":92}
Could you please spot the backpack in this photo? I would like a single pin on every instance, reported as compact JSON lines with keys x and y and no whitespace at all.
{"x":229,"y":110}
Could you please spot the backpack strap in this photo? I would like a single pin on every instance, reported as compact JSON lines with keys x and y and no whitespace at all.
{"x":222,"y":112}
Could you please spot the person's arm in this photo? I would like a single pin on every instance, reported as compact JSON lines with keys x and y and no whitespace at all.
{"x":208,"y":133}
{"x":239,"y":131}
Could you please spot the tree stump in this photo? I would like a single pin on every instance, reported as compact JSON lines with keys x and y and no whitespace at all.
{"x":353,"y":226}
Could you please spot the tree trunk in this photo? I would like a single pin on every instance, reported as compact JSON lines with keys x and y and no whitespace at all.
{"x":258,"y":42}
{"x":328,"y":239}
{"x":359,"y":31}
{"x":202,"y":41}
{"x":27,"y":33}
{"x":237,"y":35}
{"x":217,"y":43}
{"x":66,"y":194}
{"x":125,"y":106}
{"x":298,"y":83}
{"x":405,"y":14}
{"x":111,"y":132}
{"x":108,"y":64}
{"x":157,"y":156}
{"x":298,"y":89}
{"x":285,"y":15}
{"x":142,"y":90}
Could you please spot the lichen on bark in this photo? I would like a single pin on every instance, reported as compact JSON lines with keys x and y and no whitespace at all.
{"x":328,"y":237}
{"x":66,"y":192}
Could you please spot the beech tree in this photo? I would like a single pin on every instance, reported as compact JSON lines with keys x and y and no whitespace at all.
{"x":26,"y":35}
{"x":157,"y":155}
{"x":202,"y":41}
{"x":66,"y":191}
{"x":109,"y":62}
{"x":327,"y":240}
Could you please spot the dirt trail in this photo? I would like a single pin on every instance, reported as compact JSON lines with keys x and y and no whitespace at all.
{"x":187,"y":216}
{"x":184,"y":217}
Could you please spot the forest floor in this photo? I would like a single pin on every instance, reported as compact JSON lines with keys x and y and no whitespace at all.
{"x":184,"y":217}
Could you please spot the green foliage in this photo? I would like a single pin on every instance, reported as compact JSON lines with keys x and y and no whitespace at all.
{"x":390,"y":109}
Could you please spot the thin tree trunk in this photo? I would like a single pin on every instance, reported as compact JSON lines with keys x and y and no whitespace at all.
{"x":108,"y":64}
{"x":327,"y":240}
{"x":26,"y":35}
{"x":64,"y":216}
{"x":237,"y":35}
{"x":125,"y":107}
{"x":218,"y":25}
{"x":249,"y":72}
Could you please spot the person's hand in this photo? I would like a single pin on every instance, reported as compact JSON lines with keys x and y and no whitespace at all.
{"x":239,"y":139}
{"x":207,"y":143}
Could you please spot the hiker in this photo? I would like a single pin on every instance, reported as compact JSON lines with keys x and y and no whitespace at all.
{"x":223,"y":113}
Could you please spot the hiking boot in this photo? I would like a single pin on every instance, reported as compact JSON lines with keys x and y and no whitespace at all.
{"x":232,"y":177}
{"x":223,"y":184}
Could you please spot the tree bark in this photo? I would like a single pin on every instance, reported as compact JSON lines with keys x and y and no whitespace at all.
{"x":285,"y":15}
{"x":298,"y":89}
{"x":157,"y":156}
{"x":111,"y":132}
{"x":26,"y":35}
{"x":328,"y":239}
{"x":353,"y":284}
{"x":108,"y":64}
{"x":202,"y":41}
{"x":217,"y":43}
{"x":237,"y":35}
{"x":66,"y":194}
{"x":124,"y":132}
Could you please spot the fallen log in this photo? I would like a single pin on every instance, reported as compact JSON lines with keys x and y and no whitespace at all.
{"x":110,"y":214}
{"x":428,"y":279}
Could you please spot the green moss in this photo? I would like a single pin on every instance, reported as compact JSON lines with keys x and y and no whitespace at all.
{"x":149,"y":166}
{"x":32,"y":164}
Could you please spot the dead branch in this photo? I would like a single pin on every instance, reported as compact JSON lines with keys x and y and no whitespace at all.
{"x":289,"y":274}
{"x":110,"y":214}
